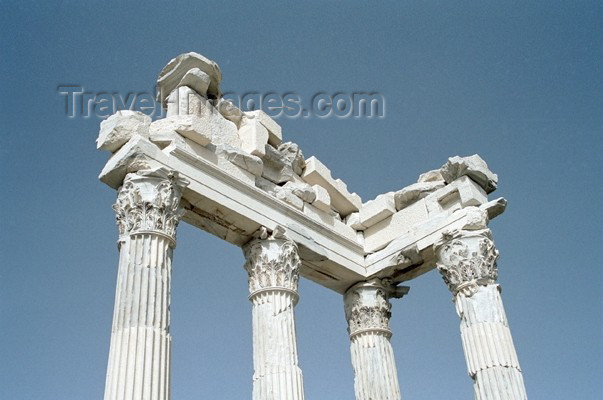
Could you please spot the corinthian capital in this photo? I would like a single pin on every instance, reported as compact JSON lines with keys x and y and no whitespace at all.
{"x":367,"y":306}
{"x":467,"y":259}
{"x":149,"y":201}
{"x":272,"y":263}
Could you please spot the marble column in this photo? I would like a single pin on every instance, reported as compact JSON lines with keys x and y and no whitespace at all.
{"x":368,"y":310}
{"x":148,"y":212}
{"x":467,"y":261}
{"x":272,"y":264}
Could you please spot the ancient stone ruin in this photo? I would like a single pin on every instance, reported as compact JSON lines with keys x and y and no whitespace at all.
{"x":229,"y":173}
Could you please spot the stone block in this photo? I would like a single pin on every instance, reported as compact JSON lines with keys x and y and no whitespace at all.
{"x":461,"y":193}
{"x":230,"y":111}
{"x":316,"y":173}
{"x":137,"y":154}
{"x":431,"y":176}
{"x":275,"y":134}
{"x":276,"y":167}
{"x":382,"y":233}
{"x":172,"y":74}
{"x":376,"y":210}
{"x":329,"y":220}
{"x":322,"y":200}
{"x":353,"y":221}
{"x":197,"y":80}
{"x":293,"y":153}
{"x":242,"y":159}
{"x":405,"y":197}
{"x":303,"y":191}
{"x":254,"y":136}
{"x":288,"y":197}
{"x":120,"y":127}
{"x":474,"y":167}
{"x":189,"y":126}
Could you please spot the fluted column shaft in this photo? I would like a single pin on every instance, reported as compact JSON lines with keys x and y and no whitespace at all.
{"x":148,"y":211}
{"x":467,"y":262}
{"x":368,"y":311}
{"x":273,"y":268}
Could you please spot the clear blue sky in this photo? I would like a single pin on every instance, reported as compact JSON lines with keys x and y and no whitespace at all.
{"x":520,"y":84}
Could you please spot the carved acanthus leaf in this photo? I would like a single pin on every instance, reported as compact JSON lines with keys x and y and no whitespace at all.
{"x":465,"y":262}
{"x":149,"y":202}
{"x":272,"y":263}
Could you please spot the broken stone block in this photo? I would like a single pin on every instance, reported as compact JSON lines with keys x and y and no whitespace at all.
{"x":275,"y":133}
{"x":188,"y":126}
{"x":472,"y":166}
{"x":322,"y":200}
{"x":463,"y":192}
{"x":185,"y":101}
{"x":316,"y":173}
{"x":242,"y":159}
{"x":196,"y":80}
{"x":266,"y":185}
{"x":230,"y":111}
{"x":172,"y":74}
{"x":495,"y":207}
{"x":288,"y":197}
{"x":382,"y":233}
{"x":408,"y":195}
{"x":353,"y":221}
{"x":431,"y":176}
{"x":276,"y":167}
{"x":376,"y":210}
{"x":254,"y":136}
{"x":329,"y":219}
{"x":120,"y":127}
{"x":303,"y":191}
{"x":293,"y":153}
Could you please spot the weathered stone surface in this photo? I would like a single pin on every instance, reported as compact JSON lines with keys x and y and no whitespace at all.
{"x":254,"y":136}
{"x":431,"y":176}
{"x":120,"y":127}
{"x":230,"y":111}
{"x":197,"y":80}
{"x":382,"y":233}
{"x":329,"y":219}
{"x":405,"y":197}
{"x":189,"y":126}
{"x":276,"y":167}
{"x":274,"y":130}
{"x":171,"y":75}
{"x":376,"y":210}
{"x":293,"y":153}
{"x":322,"y":200}
{"x":353,"y":221}
{"x":495,"y":207}
{"x":290,"y":198}
{"x":472,"y":166}
{"x":131,"y":157}
{"x":186,"y":102}
{"x":461,"y":193}
{"x":266,"y":185}
{"x":316,"y":173}
{"x":301,"y":190}
{"x":241,"y":159}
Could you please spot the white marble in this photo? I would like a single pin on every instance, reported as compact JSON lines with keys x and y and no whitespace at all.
{"x":272,"y":264}
{"x":316,"y":173}
{"x":148,"y":211}
{"x":368,"y":310}
{"x":377,"y":210}
{"x":467,"y":262}
{"x":120,"y":127}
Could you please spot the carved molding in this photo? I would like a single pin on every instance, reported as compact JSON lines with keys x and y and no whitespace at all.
{"x":367,"y":306}
{"x":466,"y":260}
{"x":149,"y":201}
{"x":272,"y":263}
